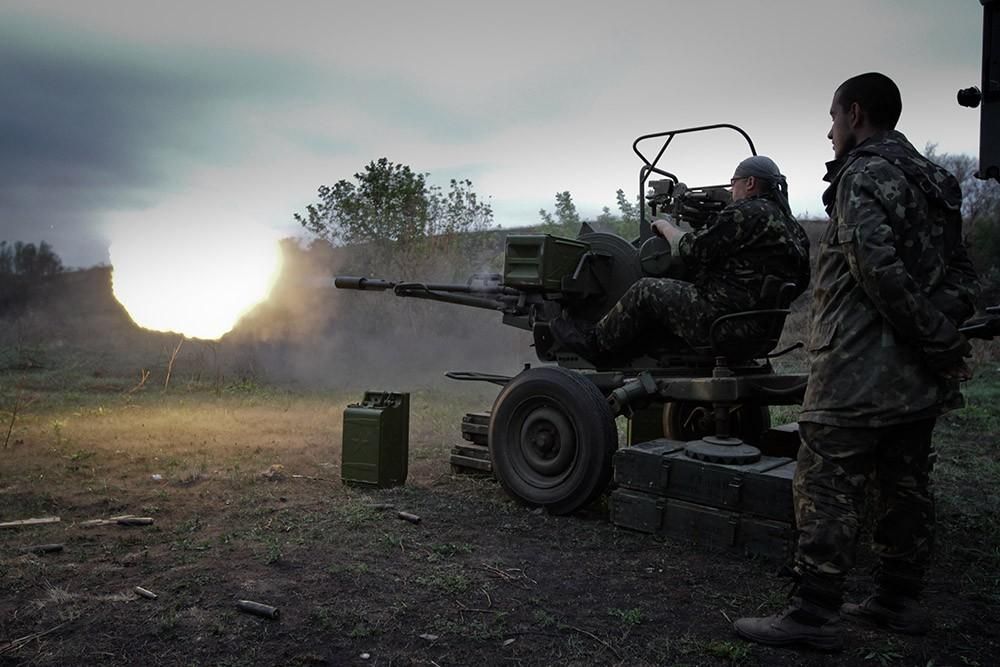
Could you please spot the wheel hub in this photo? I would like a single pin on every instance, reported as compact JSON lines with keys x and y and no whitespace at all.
{"x":548,"y":443}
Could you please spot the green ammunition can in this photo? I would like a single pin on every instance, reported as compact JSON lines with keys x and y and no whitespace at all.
{"x":540,"y":261}
{"x":376,"y":440}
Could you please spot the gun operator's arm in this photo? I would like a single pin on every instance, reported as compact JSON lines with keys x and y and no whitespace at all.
{"x":722,"y":238}
{"x":668,"y":230}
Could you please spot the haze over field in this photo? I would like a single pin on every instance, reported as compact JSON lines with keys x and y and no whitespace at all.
{"x":231,"y":115}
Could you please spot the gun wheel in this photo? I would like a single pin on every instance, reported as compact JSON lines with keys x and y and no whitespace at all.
{"x":552,"y":437}
{"x":687,"y":420}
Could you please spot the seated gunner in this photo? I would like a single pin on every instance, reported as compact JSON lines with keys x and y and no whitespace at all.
{"x":752,"y":240}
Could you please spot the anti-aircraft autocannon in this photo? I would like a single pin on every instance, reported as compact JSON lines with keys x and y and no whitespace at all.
{"x":702,"y":460}
{"x":552,"y":432}
{"x":698,"y":415}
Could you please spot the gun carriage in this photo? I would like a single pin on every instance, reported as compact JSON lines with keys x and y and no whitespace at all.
{"x":551,"y":433}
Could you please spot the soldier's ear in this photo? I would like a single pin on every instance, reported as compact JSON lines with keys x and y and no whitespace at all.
{"x":855,"y":115}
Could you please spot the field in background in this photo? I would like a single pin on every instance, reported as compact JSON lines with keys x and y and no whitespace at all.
{"x":241,"y":477}
{"x":233,"y":449}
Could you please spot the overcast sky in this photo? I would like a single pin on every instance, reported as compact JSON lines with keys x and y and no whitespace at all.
{"x":185,"y":116}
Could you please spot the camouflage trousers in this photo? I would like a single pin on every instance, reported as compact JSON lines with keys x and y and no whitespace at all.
{"x":835,"y":466}
{"x":655,"y":312}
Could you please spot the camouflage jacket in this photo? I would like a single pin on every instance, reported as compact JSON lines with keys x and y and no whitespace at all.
{"x":892,"y":283}
{"x":747,"y":241}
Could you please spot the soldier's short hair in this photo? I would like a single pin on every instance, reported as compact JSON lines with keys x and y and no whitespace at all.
{"x":877,"y":94}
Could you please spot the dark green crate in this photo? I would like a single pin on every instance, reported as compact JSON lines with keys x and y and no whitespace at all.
{"x":471,"y":459}
{"x":661,"y":467}
{"x":540,"y":261}
{"x":643,"y":467}
{"x":376,"y":440}
{"x":705,"y":526}
{"x":476,"y":427}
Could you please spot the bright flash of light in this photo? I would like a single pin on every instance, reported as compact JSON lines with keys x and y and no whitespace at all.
{"x":197,"y":284}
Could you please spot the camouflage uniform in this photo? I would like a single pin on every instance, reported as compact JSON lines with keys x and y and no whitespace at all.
{"x":727,"y":262}
{"x":892,"y":284}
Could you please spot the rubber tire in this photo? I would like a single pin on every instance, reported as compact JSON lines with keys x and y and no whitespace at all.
{"x":544,"y":400}
{"x":749,"y":422}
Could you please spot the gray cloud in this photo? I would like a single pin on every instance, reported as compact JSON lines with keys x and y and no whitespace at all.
{"x":87,"y":126}
{"x":112,"y":108}
{"x":91,"y":125}
{"x":404,"y":104}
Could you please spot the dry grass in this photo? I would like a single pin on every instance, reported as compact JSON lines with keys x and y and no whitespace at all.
{"x":198,"y":435}
{"x":480,"y":570}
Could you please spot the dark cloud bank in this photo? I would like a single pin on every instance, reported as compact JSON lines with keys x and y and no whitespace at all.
{"x":88,"y":126}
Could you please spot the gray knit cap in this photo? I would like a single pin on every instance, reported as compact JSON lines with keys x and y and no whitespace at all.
{"x":764,"y":168}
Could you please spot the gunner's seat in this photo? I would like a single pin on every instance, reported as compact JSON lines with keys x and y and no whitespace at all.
{"x":751,"y":334}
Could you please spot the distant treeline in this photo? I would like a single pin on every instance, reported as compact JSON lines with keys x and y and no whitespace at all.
{"x":23,"y":266}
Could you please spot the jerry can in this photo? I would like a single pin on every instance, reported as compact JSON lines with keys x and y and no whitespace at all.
{"x":376,"y":439}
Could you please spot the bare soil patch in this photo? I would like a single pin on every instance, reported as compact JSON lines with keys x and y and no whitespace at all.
{"x":244,"y":489}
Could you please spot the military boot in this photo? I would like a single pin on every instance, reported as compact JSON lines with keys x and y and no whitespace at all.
{"x":801,"y":624}
{"x":897,"y":613}
{"x":580,"y":339}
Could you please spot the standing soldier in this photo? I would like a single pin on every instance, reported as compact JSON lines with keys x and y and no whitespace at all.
{"x":891,"y":286}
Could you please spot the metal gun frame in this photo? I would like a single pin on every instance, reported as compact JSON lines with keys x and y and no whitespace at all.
{"x":552,"y":432}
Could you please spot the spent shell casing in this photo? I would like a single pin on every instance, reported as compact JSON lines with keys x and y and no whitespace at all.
{"x":142,"y":592}
{"x":29,"y":522}
{"x":42,"y":548}
{"x":257,"y":609}
{"x":406,"y":516}
{"x":134,"y":521}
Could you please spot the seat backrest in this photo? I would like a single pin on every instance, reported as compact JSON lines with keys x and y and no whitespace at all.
{"x":753,"y":333}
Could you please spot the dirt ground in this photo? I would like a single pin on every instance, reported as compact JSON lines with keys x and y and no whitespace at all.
{"x":243,"y":485}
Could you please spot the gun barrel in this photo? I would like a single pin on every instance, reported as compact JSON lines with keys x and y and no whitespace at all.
{"x":491,"y":296}
{"x":415,"y":289}
{"x":359,"y":283}
{"x":985,"y":328}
